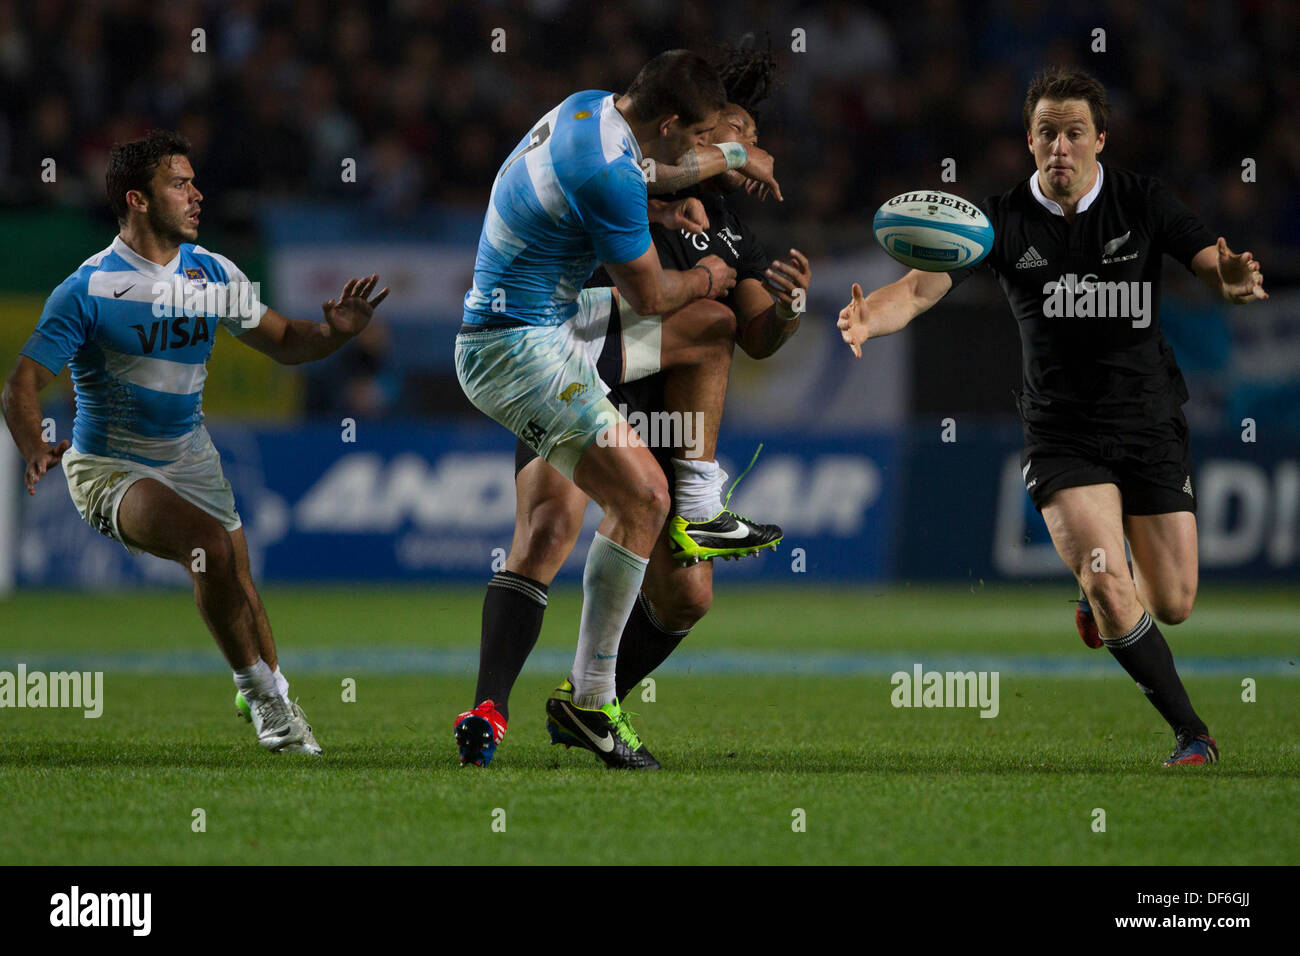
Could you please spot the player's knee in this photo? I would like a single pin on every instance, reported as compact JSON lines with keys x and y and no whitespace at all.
{"x":685,"y":607}
{"x":212,"y":550}
{"x":718,"y":324}
{"x":1110,"y":595}
{"x":1174,"y":608}
{"x":644,"y":501}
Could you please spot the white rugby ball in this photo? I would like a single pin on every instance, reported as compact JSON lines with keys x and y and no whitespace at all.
{"x":933,"y":231}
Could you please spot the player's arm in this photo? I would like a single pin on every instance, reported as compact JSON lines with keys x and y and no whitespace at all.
{"x":1235,"y":277}
{"x":614,"y":207}
{"x":703,"y":162}
{"x":890,"y":307}
{"x":22,"y":410}
{"x":294,"y":341}
{"x":652,"y":290}
{"x":767,"y":317}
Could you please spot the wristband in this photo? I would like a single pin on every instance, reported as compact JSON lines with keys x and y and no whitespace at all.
{"x":710,"y":275}
{"x":735,"y":153}
{"x":784,"y":312}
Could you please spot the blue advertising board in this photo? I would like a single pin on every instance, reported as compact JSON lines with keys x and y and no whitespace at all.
{"x":414,"y":502}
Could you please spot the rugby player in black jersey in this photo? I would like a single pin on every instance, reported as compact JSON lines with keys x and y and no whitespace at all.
{"x":759,"y":314}
{"x":1077,"y":250}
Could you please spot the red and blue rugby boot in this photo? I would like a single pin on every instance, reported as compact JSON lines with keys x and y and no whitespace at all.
{"x":478,"y":732}
{"x":1198,"y":749}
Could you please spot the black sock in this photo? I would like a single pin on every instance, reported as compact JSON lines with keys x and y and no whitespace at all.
{"x":1145,"y":655}
{"x":512,"y":621}
{"x":645,"y":644}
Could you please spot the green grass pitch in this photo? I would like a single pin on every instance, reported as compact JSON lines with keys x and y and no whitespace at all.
{"x":763,"y":715}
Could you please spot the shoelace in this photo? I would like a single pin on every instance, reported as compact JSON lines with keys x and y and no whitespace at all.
{"x":272,"y":709}
{"x":623,"y":724}
{"x":297,"y":711}
{"x":727,"y":500}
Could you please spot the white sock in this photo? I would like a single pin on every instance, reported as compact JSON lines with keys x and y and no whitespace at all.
{"x":256,"y":680}
{"x":698,"y":489}
{"x":611,"y":581}
{"x":281,"y":683}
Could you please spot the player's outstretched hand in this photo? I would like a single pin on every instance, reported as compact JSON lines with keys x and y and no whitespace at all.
{"x":352,"y":312}
{"x":687,"y":214}
{"x":1240,"y":275}
{"x":853,"y":321}
{"x":43,"y":462}
{"x":724,"y":277}
{"x":758,"y":167}
{"x":783,"y":278}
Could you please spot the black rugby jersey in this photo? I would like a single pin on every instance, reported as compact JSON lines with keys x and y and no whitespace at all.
{"x":727,"y":237}
{"x":1086,"y":295}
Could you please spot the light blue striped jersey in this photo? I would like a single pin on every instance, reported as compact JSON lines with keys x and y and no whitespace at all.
{"x":569,"y":195}
{"x":137,"y":336}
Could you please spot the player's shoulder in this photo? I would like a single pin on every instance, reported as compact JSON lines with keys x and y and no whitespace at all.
{"x":214,"y":265}
{"x":1016,"y":199}
{"x":78,"y":283}
{"x":1126,"y":183}
{"x":592,"y":137}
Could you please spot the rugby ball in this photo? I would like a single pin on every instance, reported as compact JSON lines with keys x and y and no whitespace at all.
{"x":933,"y":231}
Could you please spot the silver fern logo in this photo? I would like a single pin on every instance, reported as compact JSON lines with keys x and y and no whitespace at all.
{"x":1115,"y":245}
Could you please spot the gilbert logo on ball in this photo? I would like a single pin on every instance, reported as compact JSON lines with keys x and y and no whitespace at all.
{"x":933,"y":231}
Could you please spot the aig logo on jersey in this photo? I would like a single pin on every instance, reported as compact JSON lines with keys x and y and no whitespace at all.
{"x":1083,"y":297}
{"x":701,"y":240}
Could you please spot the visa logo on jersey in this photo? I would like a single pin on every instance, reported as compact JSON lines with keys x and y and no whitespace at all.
{"x":173,"y":334}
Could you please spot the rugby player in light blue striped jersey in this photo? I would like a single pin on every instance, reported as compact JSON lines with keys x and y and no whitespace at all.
{"x":136,"y":324}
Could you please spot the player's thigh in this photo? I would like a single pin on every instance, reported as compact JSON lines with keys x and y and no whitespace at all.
{"x":1087,"y":527}
{"x":695,"y":333}
{"x":619,"y":473}
{"x":1164,"y":562}
{"x":680,"y":596}
{"x":548,"y":518}
{"x":156,"y":519}
{"x":542,"y":384}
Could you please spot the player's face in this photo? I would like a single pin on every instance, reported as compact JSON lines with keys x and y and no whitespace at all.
{"x":735,"y":125}
{"x":1065,"y":144}
{"x":676,"y":138}
{"x":174,"y":201}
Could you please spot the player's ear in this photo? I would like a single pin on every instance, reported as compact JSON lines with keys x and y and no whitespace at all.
{"x":1101,"y":143}
{"x":666,"y":124}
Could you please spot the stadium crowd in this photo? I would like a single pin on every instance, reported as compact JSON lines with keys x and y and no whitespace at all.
{"x":416,"y":93}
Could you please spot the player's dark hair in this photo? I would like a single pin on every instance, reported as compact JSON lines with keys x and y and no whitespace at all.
{"x":677,"y":82}
{"x":1058,"y":83}
{"x":748,"y":74}
{"x":131,"y":165}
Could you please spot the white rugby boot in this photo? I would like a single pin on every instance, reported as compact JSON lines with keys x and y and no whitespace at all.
{"x":281,"y":725}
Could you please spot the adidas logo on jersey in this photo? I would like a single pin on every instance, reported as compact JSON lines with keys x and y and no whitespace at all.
{"x":1187,"y":487}
{"x":1030,"y":260}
